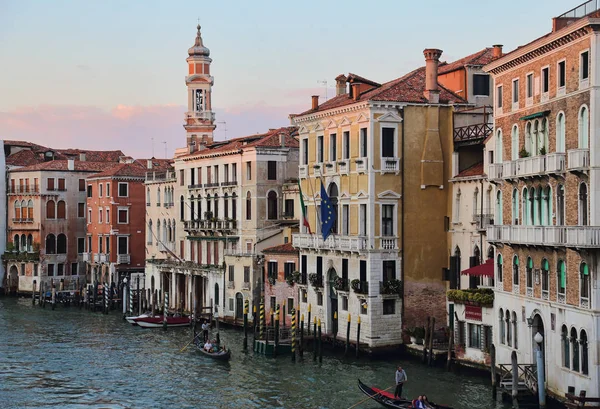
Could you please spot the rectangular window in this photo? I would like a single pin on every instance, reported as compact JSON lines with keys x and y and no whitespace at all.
{"x":584,"y":64}
{"x":123,"y":189}
{"x":35,"y":270}
{"x":320,"y":149}
{"x":181,"y":177}
{"x":290,"y":306}
{"x":199,"y":172}
{"x":304,"y":269}
{"x":61,"y":185}
{"x":107,"y":241}
{"x":216,"y":175}
{"x":100,"y":190}
{"x":304,"y":296}
{"x":50,"y":183}
{"x":246,"y":274}
{"x":271,"y":170}
{"x":99,"y":215}
{"x":100,"y":242}
{"x":363,"y":142}
{"x":123,"y":216}
{"x":305,"y":151}
{"x":529,"y":83}
{"x":545,"y":79}
{"x":332,"y":147}
{"x":108,"y":190}
{"x":499,"y":96}
{"x":273,"y":304}
{"x":107,"y":216}
{"x":345,"y":219}
{"x":50,"y":270}
{"x":61,"y":270}
{"x":89,"y":244}
{"x":481,"y":84}
{"x":82,"y":185}
{"x":363,"y":270}
{"x":562,"y":74}
{"x":122,"y":245}
{"x":289,"y":207}
{"x":231,"y":304}
{"x":389,"y":307}
{"x":234,"y":172}
{"x":248,"y":170}
{"x":474,"y":336}
{"x":345,"y":269}
{"x":226,"y":173}
{"x":387,"y":220}
{"x":389,"y":270}
{"x":319,"y":298}
{"x":80,"y":245}
{"x":346,"y":145}
{"x":231,"y":273}
{"x":80,"y":209}
{"x":387,"y":143}
{"x":192,"y":176}
{"x":362,"y":219}
{"x":515,"y":91}
{"x":272,"y":271}
{"x":288,"y":269}
{"x":89,"y":220}
{"x":344,"y":303}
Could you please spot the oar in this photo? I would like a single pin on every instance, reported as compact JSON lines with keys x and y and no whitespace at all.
{"x":370,"y":397}
{"x":188,"y":344}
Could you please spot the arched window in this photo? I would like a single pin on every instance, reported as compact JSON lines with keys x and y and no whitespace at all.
{"x":514,"y":143}
{"x":30,"y":243}
{"x":526,"y":208}
{"x":208,"y":213}
{"x":515,"y":270}
{"x":584,"y":278}
{"x":575,"y":354}
{"x":192,"y":208}
{"x":164,"y":236}
{"x":561,"y":274}
{"x":149,"y":238}
{"x":545,"y":278}
{"x":23,"y":243}
{"x":560,"y":132}
{"x":166,"y":197}
{"x":535,"y":139}
{"x":476,"y":202}
{"x":508,"y":328}
{"x":502,"y":327}
{"x":61,"y":210}
{"x":529,"y":273}
{"x":61,"y":244}
{"x":158,"y":232}
{"x":158,"y":196}
{"x":16,"y":242}
{"x":173,"y":224}
{"x":583,"y":204}
{"x":226,"y":206}
{"x":564,"y":335}
{"x":560,"y":205}
{"x":528,"y":138}
{"x":499,"y":267}
{"x":17,"y":209}
{"x":199,"y":207}
{"x":546,"y":206}
{"x":181,"y":208}
{"x":216,"y":293}
{"x":248,"y":206}
{"x":583,"y":341}
{"x":148,"y":199}
{"x":50,"y":209}
{"x":544,"y":134}
{"x":499,"y":207}
{"x":30,"y":209}
{"x":499,"y":147}
{"x":515,"y":324}
{"x":272,"y":205}
{"x":583,"y":128}
{"x":457,"y":206}
{"x":216,"y":205}
{"x":50,"y":244}
{"x":515,"y":206}
{"x":531,"y":204}
{"x":490,"y":253}
{"x":333,"y":193}
{"x":169,"y":231}
{"x":234,"y":206}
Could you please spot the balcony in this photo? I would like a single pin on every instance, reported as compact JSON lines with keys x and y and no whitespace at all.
{"x":86,"y":257}
{"x":333,"y":242}
{"x":391,"y":287}
{"x":509,"y":169}
{"x":195,"y":186}
{"x":330,"y":168}
{"x":360,"y":287}
{"x":96,"y":258}
{"x":168,"y":247}
{"x":209,"y":225}
{"x":483,"y":297}
{"x":239,"y":253}
{"x":495,"y":171}
{"x":211,"y":184}
{"x":34,"y":189}
{"x":317,"y":170}
{"x":483,"y":220}
{"x":22,"y":220}
{"x":200,"y":116}
{"x":303,"y":171}
{"x":389,"y":165}
{"x":21,"y":256}
{"x":388,"y":243}
{"x":123,"y":258}
{"x":530,"y":166}
{"x":161,"y":176}
{"x":361,"y":165}
{"x":167,"y":205}
{"x":229,"y":183}
{"x":578,"y":159}
{"x":555,"y":162}
{"x":341,"y":284}
{"x":344,"y":166}
{"x":315,"y":280}
{"x":565,"y":236}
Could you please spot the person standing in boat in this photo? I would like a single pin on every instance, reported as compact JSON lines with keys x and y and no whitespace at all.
{"x":400,"y":379}
{"x":205,"y":331}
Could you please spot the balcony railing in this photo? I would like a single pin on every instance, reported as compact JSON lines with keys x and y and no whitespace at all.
{"x":21,"y":256}
{"x":391,"y":287}
{"x":161,"y":176}
{"x":85,"y":256}
{"x":96,"y":258}
{"x":195,"y":186}
{"x":209,"y":225}
{"x":22,"y":220}
{"x":483,"y":220}
{"x":555,"y":162}
{"x":201,"y":116}
{"x":584,"y":302}
{"x":229,"y":183}
{"x":123,"y":258}
{"x":331,"y":168}
{"x":239,"y":253}
{"x":168,"y":247}
{"x":211,"y":184}
{"x":344,"y":166}
{"x":530,"y":166}
{"x":360,"y":287}
{"x":361,"y":165}
{"x":342,"y":284}
{"x":390,"y":164}
{"x":333,"y":242}
{"x":24,"y":189}
{"x":388,"y":243}
{"x":318,"y":170}
{"x":578,"y":159}
{"x":566,"y":236}
{"x":509,"y":169}
{"x":303,"y":171}
{"x":495,"y":171}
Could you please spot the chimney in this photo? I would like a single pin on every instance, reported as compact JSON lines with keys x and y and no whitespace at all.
{"x":149,"y":163}
{"x":71,"y":164}
{"x":315,"y":102}
{"x":82,"y":157}
{"x":432,"y":60}
{"x":282,"y":139}
{"x":340,"y":84}
{"x":497,"y":50}
{"x":356,"y":91}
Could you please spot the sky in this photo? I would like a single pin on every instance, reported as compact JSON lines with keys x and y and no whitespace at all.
{"x":111,"y":74}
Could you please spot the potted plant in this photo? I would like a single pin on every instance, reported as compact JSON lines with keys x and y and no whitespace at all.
{"x":316,"y":166}
{"x":10,"y":247}
{"x":208,"y":215}
{"x":358,"y":161}
{"x":523,"y":153}
{"x":543,"y":150}
{"x":271,"y":280}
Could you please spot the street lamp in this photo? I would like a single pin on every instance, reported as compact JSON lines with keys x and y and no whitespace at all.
{"x":538,"y":338}
{"x":530,"y":322}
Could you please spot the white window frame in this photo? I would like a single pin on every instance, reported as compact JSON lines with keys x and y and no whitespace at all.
{"x":360,"y":142}
{"x":561,"y":90}
{"x":393,"y":125}
{"x":345,"y":219}
{"x":529,"y":98}
{"x":584,"y":83}
{"x":117,"y":243}
{"x":333,"y":136}
{"x":119,"y":210}
{"x":361,"y":217}
{"x":100,"y":190}
{"x":545,"y":96}
{"x":304,"y":151}
{"x":89,"y":220}
{"x":100,"y":215}
{"x":320,"y":151}
{"x":515,"y":104}
{"x":499,"y":105}
{"x":394,"y":215}
{"x":107,"y":215}
{"x":119,"y":189}
{"x":344,"y":130}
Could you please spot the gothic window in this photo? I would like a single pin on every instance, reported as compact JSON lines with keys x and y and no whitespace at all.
{"x":560,"y":132}
{"x":272,"y":205}
{"x":61,"y":210}
{"x":61,"y":244}
{"x":583,"y":128}
{"x":50,"y":209}
{"x":583,"y":205}
{"x":565,"y":347}
{"x":51,"y":244}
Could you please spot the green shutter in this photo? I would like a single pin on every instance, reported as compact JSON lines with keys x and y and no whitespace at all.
{"x":563,"y":275}
{"x":529,"y":262}
{"x":545,"y":265}
{"x":585,"y":269}
{"x":499,"y":259}
{"x":516,"y":261}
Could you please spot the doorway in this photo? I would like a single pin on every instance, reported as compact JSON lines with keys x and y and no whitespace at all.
{"x":538,"y":326}
{"x":239,"y":306}
{"x":333,"y":300}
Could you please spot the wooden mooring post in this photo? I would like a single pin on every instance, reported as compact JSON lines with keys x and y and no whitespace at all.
{"x":450,"y":347}
{"x":493,"y":371}
{"x":301,"y":348}
{"x":293,"y":336}
{"x":33,"y":293}
{"x":358,"y":337}
{"x":315,"y":339}
{"x":431,"y":331}
{"x":320,"y":342}
{"x":515,"y":379}
{"x":348,"y":335}
{"x":276,"y":345}
{"x":425,"y":344}
{"x":245,"y":345}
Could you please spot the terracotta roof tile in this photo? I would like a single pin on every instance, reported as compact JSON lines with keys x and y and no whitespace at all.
{"x":282,"y":248}
{"x":62,"y":165}
{"x":157,"y":164}
{"x":92,"y":155}
{"x":357,"y":78}
{"x":122,"y":170}
{"x":23,"y":158}
{"x":475,"y":170}
{"x":481,"y":57}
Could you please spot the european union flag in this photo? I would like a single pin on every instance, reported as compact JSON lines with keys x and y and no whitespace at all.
{"x":327,"y":214}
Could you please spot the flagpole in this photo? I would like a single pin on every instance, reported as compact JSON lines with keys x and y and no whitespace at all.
{"x":336,"y":210}
{"x":315,"y":202}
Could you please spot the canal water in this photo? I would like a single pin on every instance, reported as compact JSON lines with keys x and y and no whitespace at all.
{"x":71,"y":358}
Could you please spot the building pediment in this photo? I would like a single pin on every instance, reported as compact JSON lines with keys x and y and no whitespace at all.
{"x":361,"y":195}
{"x":303,"y":130}
{"x":318,"y":127}
{"x":389,"y":117}
{"x":345,"y":122}
{"x":362,"y":118}
{"x":389,"y":194}
{"x":331,"y":124}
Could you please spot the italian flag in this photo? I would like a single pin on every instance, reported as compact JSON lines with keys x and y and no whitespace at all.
{"x":304,"y":218}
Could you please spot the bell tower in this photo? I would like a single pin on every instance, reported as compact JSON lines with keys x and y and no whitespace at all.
{"x":199,"y":119}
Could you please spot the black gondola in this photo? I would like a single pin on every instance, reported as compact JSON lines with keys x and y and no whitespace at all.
{"x":387,"y":400}
{"x":221,"y":355}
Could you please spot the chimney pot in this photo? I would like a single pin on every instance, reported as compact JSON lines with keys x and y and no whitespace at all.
{"x":340,"y":85}
{"x":282,"y":139}
{"x":432,"y":60}
{"x":315,"y":101}
{"x":71,"y":164}
{"x":497,"y":50}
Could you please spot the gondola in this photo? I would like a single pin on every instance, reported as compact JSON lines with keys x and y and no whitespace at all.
{"x":158,"y":321}
{"x":222,"y":355}
{"x":387,"y":400}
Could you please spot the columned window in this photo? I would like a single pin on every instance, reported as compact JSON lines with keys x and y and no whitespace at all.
{"x":515,"y":206}
{"x":529,"y":271}
{"x":583,"y":205}
{"x":575,"y":354}
{"x":583,"y":128}
{"x":515,"y":270}
{"x":499,"y":207}
{"x":562,"y":278}
{"x":584,"y":277}
{"x":583,"y":341}
{"x":565,"y":346}
{"x":514,"y":150}
{"x":502,"y":327}
{"x":499,"y":146}
{"x":526,"y":208}
{"x":515,"y":324}
{"x":560,"y":132}
{"x":499,"y":267}
{"x":560,"y":205}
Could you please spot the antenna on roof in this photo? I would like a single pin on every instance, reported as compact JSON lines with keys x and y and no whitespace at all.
{"x":165,"y":142}
{"x":324,"y":83}
{"x":225,"y":128}
{"x":152,"y":139}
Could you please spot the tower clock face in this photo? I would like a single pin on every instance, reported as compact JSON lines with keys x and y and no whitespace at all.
{"x":199,"y":101}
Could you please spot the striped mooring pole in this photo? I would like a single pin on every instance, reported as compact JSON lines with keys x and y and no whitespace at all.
{"x":262,"y":320}
{"x":130,"y":300}
{"x":293,"y":336}
{"x":166,"y":310}
{"x":106,"y":292}
{"x":246,"y":307}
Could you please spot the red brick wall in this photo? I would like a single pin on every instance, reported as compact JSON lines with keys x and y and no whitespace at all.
{"x":281,"y":290}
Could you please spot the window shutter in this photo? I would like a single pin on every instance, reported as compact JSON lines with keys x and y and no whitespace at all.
{"x":453,"y":273}
{"x":473,"y":261}
{"x":457,"y":326}
{"x":482,"y":335}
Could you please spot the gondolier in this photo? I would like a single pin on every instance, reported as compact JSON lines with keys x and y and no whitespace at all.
{"x":205,"y":328}
{"x":400,"y":379}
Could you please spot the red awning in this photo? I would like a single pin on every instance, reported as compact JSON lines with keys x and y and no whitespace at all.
{"x":486,"y":269}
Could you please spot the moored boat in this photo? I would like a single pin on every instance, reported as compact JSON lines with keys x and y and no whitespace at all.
{"x":157,"y":321}
{"x":387,"y":399}
{"x":222,"y":355}
{"x":131,"y":320}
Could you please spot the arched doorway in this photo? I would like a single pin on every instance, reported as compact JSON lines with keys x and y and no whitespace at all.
{"x":538,"y":326}
{"x":239,"y":306}
{"x":13,"y":280}
{"x":333,"y":299}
